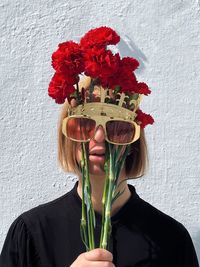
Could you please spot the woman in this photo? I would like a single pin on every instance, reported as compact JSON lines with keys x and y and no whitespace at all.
{"x":49,"y":235}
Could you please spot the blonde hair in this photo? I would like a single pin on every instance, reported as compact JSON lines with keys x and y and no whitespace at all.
{"x":136,"y":162}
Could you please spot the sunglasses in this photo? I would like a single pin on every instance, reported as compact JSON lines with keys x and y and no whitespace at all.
{"x":82,"y":128}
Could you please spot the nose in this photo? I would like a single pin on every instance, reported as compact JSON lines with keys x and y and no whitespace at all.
{"x":99,"y":135}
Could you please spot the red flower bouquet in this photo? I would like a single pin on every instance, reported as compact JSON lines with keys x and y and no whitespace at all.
{"x":92,"y":58}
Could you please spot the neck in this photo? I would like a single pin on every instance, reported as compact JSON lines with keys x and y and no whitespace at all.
{"x":97,"y":184}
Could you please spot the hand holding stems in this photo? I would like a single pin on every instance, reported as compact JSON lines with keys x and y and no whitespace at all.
{"x":95,"y":257}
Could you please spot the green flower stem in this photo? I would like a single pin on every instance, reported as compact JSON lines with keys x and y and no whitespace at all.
{"x":88,"y":201}
{"x":108,"y":201}
{"x":83,"y":227}
{"x":106,"y":168}
{"x":119,"y":163}
{"x":113,"y":166}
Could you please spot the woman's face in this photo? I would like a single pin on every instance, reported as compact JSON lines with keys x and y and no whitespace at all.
{"x":97,"y":150}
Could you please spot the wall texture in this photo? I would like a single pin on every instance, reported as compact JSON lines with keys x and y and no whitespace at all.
{"x":165,"y":37}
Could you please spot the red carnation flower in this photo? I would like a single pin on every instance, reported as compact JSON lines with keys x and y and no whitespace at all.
{"x":126,"y":79}
{"x":130,"y":64}
{"x":123,"y":77}
{"x":59,"y":89}
{"x":99,"y":37}
{"x":100,"y":63}
{"x":143,"y":119}
{"x":143,"y":89}
{"x":68,"y":59}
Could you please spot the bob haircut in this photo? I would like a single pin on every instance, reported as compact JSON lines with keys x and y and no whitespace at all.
{"x":136,"y":162}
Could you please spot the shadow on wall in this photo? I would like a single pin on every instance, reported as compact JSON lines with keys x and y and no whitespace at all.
{"x":127,"y":48}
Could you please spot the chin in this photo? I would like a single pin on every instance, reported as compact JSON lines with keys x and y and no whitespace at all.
{"x":96,"y":170}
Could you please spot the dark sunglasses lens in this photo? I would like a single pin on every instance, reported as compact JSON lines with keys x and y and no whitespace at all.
{"x":120,"y":132}
{"x":80,"y":129}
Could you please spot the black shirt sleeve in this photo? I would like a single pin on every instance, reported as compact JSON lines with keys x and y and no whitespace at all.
{"x":18,"y":249}
{"x":186,"y":252}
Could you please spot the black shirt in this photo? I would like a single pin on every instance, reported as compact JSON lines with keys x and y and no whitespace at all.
{"x":142,"y":236}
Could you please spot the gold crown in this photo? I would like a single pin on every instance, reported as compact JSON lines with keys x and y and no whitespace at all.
{"x":92,"y":92}
{"x":105,"y":102}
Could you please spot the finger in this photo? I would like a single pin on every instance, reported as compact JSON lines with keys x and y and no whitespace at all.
{"x":99,"y":255}
{"x":73,"y":102}
{"x":99,"y":264}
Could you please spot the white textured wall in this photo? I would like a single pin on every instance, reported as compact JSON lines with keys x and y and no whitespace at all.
{"x":166,"y":39}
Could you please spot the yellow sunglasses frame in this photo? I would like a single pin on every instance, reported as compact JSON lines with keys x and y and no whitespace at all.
{"x":101,"y":113}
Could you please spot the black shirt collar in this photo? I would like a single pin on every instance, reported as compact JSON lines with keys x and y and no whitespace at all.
{"x":116,"y":217}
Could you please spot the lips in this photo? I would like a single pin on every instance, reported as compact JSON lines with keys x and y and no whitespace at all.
{"x":97,"y":155}
{"x":97,"y":152}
